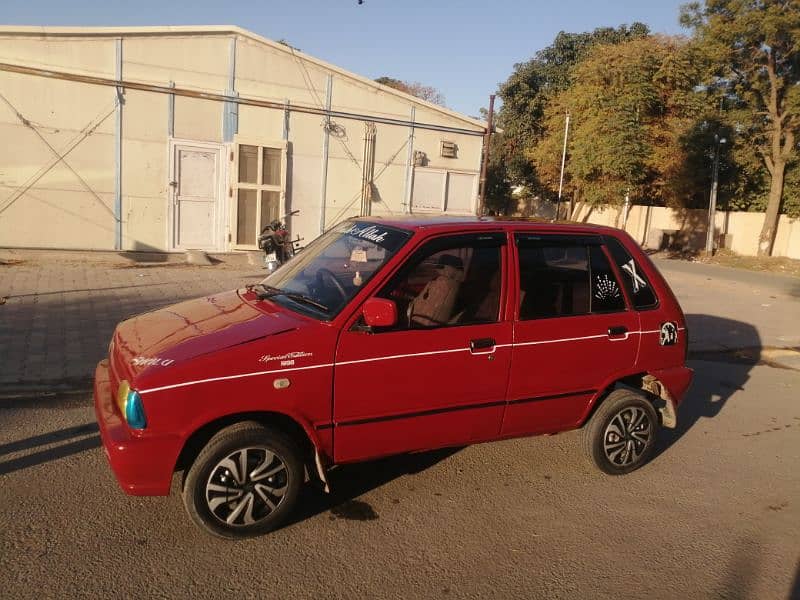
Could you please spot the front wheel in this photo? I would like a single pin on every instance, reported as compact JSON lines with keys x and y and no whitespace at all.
{"x":620,"y":437}
{"x":245,"y":482}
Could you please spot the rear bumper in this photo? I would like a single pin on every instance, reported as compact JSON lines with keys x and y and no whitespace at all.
{"x":676,"y":380}
{"x":142,"y":465}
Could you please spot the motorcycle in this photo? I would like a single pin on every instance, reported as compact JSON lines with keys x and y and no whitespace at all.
{"x":274,"y":241}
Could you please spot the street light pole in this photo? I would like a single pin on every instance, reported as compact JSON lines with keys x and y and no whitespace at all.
{"x":563,"y":160}
{"x":712,"y":204}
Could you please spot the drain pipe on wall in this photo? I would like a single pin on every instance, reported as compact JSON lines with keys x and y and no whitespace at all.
{"x":326,"y":140}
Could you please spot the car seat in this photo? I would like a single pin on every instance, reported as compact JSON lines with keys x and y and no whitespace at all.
{"x":434,"y":304}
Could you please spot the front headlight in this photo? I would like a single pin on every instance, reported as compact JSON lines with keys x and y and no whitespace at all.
{"x":130,"y":405}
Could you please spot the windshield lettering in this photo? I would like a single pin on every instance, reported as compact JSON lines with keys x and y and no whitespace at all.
{"x":371,"y":233}
{"x":325,"y":276}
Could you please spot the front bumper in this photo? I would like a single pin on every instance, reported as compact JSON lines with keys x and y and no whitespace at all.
{"x":143,"y":464}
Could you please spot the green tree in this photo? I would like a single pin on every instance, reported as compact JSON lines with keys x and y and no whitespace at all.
{"x":532,"y":86}
{"x":631,"y":106}
{"x":415,"y":88}
{"x":753,"y":47}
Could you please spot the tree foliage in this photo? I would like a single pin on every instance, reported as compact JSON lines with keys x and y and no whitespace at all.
{"x":534,"y":84}
{"x":414,"y":88}
{"x":753,"y":52}
{"x":632,"y":108}
{"x":649,"y":113}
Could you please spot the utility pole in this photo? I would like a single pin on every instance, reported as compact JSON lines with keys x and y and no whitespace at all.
{"x":486,"y":149}
{"x":563,"y":161}
{"x":625,"y":208}
{"x":712,"y":203}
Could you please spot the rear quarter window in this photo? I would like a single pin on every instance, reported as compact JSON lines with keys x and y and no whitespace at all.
{"x":633,"y":277}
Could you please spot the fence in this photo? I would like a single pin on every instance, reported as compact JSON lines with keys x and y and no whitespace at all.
{"x":684,"y":229}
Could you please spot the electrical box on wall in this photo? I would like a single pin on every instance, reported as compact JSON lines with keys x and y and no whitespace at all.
{"x":449,"y":150}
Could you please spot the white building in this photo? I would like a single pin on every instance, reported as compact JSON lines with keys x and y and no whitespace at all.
{"x":169,"y":138}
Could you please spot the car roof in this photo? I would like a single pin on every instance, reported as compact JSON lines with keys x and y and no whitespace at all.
{"x":471,"y":222}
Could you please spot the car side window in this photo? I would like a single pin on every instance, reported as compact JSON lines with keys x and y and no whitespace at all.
{"x":564,"y":278}
{"x":634,"y":279}
{"x":554,"y":280}
{"x":449,"y":282}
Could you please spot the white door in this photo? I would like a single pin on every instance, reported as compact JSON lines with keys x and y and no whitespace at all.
{"x":428,"y":191}
{"x":196,"y":197}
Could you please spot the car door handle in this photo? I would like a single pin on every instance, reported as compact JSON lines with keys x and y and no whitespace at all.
{"x":481,"y":344}
{"x":617,"y":330}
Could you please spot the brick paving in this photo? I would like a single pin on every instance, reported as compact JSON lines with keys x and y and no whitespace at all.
{"x":60,"y":309}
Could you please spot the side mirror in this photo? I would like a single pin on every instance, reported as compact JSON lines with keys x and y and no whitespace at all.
{"x":380,"y":312}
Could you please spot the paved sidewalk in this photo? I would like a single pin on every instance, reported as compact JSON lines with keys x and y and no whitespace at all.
{"x":61,"y":308}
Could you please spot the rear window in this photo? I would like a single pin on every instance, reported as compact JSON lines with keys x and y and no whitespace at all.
{"x":561,"y":280}
{"x":633,"y":278}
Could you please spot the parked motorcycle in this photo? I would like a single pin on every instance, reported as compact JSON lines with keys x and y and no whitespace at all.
{"x":276,"y":244}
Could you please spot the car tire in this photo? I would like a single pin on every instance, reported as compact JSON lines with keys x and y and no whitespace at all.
{"x":244,"y":482}
{"x":620,"y":436}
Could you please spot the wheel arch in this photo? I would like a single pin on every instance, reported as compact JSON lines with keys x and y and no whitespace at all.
{"x":305,"y":438}
{"x":645,"y":383}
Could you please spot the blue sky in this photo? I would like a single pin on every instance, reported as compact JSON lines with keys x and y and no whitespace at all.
{"x":464,"y":48}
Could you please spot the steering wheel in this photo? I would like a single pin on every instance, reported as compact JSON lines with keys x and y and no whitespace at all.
{"x":325,"y":276}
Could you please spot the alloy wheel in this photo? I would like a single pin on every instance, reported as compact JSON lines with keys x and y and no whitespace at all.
{"x":626,"y":436}
{"x":246,"y":486}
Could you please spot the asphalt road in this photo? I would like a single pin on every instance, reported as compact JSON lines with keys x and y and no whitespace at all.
{"x":715,"y":515}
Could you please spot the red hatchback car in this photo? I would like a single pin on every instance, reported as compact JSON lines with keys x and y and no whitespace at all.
{"x":387,"y":336}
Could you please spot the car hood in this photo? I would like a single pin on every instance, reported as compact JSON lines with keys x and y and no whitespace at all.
{"x":176,"y":334}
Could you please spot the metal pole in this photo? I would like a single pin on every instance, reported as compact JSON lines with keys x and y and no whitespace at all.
{"x":712,"y":204}
{"x":326,"y":138}
{"x":118,"y":152}
{"x":486,"y":148}
{"x":286,"y":113}
{"x":563,"y":162}
{"x":409,"y":164}
{"x":171,"y":112}
{"x":230,"y":110}
{"x":625,"y":209}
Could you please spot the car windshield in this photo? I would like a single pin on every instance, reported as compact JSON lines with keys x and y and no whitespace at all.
{"x":322,"y":278}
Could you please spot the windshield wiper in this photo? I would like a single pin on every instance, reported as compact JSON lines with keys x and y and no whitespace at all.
{"x":267,"y":291}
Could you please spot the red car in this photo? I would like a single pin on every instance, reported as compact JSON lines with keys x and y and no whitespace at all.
{"x":387,"y":336}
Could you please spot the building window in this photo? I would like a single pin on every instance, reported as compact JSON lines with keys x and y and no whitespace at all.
{"x":260,"y":183}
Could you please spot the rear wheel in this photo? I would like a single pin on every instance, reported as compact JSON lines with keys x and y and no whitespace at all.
{"x":244,"y":482}
{"x":620,"y":437}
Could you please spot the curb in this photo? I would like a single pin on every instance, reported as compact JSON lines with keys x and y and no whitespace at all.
{"x":780,"y":358}
{"x":43,"y":389}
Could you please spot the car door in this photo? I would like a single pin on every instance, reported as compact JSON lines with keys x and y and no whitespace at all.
{"x":438,"y":377}
{"x":574,"y":331}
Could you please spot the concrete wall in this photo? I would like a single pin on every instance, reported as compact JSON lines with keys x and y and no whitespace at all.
{"x":57,"y":160}
{"x":742,"y":228}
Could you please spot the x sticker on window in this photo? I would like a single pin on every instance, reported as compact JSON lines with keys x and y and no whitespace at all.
{"x":638,"y":283}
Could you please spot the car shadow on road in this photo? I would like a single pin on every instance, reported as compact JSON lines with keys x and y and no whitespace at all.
{"x":349,"y":482}
{"x":88,"y":440}
{"x":719,"y":372}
